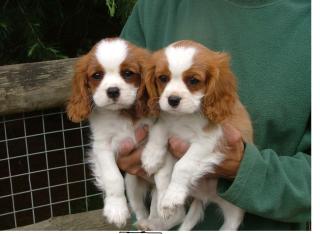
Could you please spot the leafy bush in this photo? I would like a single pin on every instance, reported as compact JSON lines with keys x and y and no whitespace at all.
{"x":37,"y":30}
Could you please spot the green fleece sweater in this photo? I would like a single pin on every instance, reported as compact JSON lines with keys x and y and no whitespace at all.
{"x":269,"y":43}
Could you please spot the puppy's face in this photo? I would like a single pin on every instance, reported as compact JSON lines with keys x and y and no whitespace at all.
{"x":180,"y":84}
{"x":109,"y":77}
{"x":189,"y":78}
{"x":114,"y":74}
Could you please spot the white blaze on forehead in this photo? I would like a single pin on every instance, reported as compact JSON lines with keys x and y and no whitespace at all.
{"x":111,"y":53}
{"x":179,"y":59}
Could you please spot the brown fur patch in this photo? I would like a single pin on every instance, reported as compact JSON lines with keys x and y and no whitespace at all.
{"x":157,"y":66}
{"x":195,"y":72}
{"x":209,"y":126}
{"x":79,"y":105}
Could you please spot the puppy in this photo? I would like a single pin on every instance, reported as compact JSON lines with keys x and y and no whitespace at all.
{"x":108,"y":89}
{"x":193,"y":92}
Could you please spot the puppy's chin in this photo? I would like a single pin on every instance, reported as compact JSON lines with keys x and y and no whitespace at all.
{"x":182,"y":109}
{"x":178,"y":111}
{"x":114,"y":106}
{"x":174,"y":112}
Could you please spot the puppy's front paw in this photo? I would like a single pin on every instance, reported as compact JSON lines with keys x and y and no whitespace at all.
{"x":116,"y":211}
{"x":152,"y":158}
{"x":171,"y":202}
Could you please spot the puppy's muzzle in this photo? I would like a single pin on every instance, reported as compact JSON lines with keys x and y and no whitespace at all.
{"x":174,"y":101}
{"x":113,"y":92}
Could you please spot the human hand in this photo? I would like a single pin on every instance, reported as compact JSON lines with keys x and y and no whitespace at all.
{"x":232,"y":147}
{"x":129,"y":155}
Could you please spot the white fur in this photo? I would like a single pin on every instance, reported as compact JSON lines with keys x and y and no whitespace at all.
{"x":111,"y":53}
{"x":195,"y":214}
{"x":179,"y":59}
{"x":187,"y":123}
{"x":109,"y":128}
{"x":136,"y":192}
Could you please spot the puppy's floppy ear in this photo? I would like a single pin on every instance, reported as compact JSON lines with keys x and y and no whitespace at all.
{"x":79,"y":104}
{"x":141,"y":107}
{"x":153,"y":99}
{"x":221,"y":92}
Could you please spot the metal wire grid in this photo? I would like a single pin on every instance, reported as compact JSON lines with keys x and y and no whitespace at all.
{"x":75,"y":188}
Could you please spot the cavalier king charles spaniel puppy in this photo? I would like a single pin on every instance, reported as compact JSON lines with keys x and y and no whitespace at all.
{"x":108,"y":89}
{"x":193,"y":92}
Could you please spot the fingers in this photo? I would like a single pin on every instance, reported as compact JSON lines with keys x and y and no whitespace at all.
{"x":131,"y":164}
{"x":177,"y":147}
{"x":233,"y":150}
{"x":141,"y":133}
{"x":143,"y":174}
{"x":129,"y":156}
{"x":130,"y":161}
{"x":231,"y":134}
{"x":126,"y":146}
{"x":137,"y":170}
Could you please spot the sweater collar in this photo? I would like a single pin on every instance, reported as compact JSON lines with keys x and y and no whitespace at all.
{"x":252,"y":3}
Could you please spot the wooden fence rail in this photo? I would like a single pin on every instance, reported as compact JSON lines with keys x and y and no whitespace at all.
{"x":35,"y":86}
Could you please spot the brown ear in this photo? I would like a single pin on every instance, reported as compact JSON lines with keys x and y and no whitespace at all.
{"x":221,"y":92}
{"x":79,"y":104}
{"x":153,"y":96}
{"x":141,"y":107}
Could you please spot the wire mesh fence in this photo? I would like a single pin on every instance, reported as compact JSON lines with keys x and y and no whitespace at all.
{"x":43,"y":168}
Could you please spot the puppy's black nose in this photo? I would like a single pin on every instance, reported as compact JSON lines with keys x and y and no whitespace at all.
{"x":174,"y":101}
{"x":113,"y":92}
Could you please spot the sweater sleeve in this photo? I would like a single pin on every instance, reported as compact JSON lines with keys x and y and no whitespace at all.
{"x":132,"y":30}
{"x":273,"y":186}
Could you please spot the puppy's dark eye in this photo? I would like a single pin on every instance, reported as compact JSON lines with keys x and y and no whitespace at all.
{"x":193,"y":80}
{"x":163,"y":78}
{"x":127,"y":74}
{"x":97,"y":76}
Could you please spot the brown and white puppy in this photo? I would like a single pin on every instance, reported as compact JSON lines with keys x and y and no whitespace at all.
{"x":108,"y":89}
{"x":193,"y":92}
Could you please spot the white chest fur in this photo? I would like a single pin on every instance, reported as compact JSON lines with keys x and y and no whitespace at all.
{"x":191,"y":128}
{"x":109,"y":128}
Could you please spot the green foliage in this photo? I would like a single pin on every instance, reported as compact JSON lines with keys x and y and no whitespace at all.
{"x":111,"y":4}
{"x":37,"y":30}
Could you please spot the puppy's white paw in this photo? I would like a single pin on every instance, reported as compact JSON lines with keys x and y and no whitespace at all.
{"x":116,"y":211}
{"x":171,"y":202}
{"x":152,"y":158}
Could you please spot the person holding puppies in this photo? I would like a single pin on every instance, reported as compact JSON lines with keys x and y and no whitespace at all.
{"x":269,"y":44}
